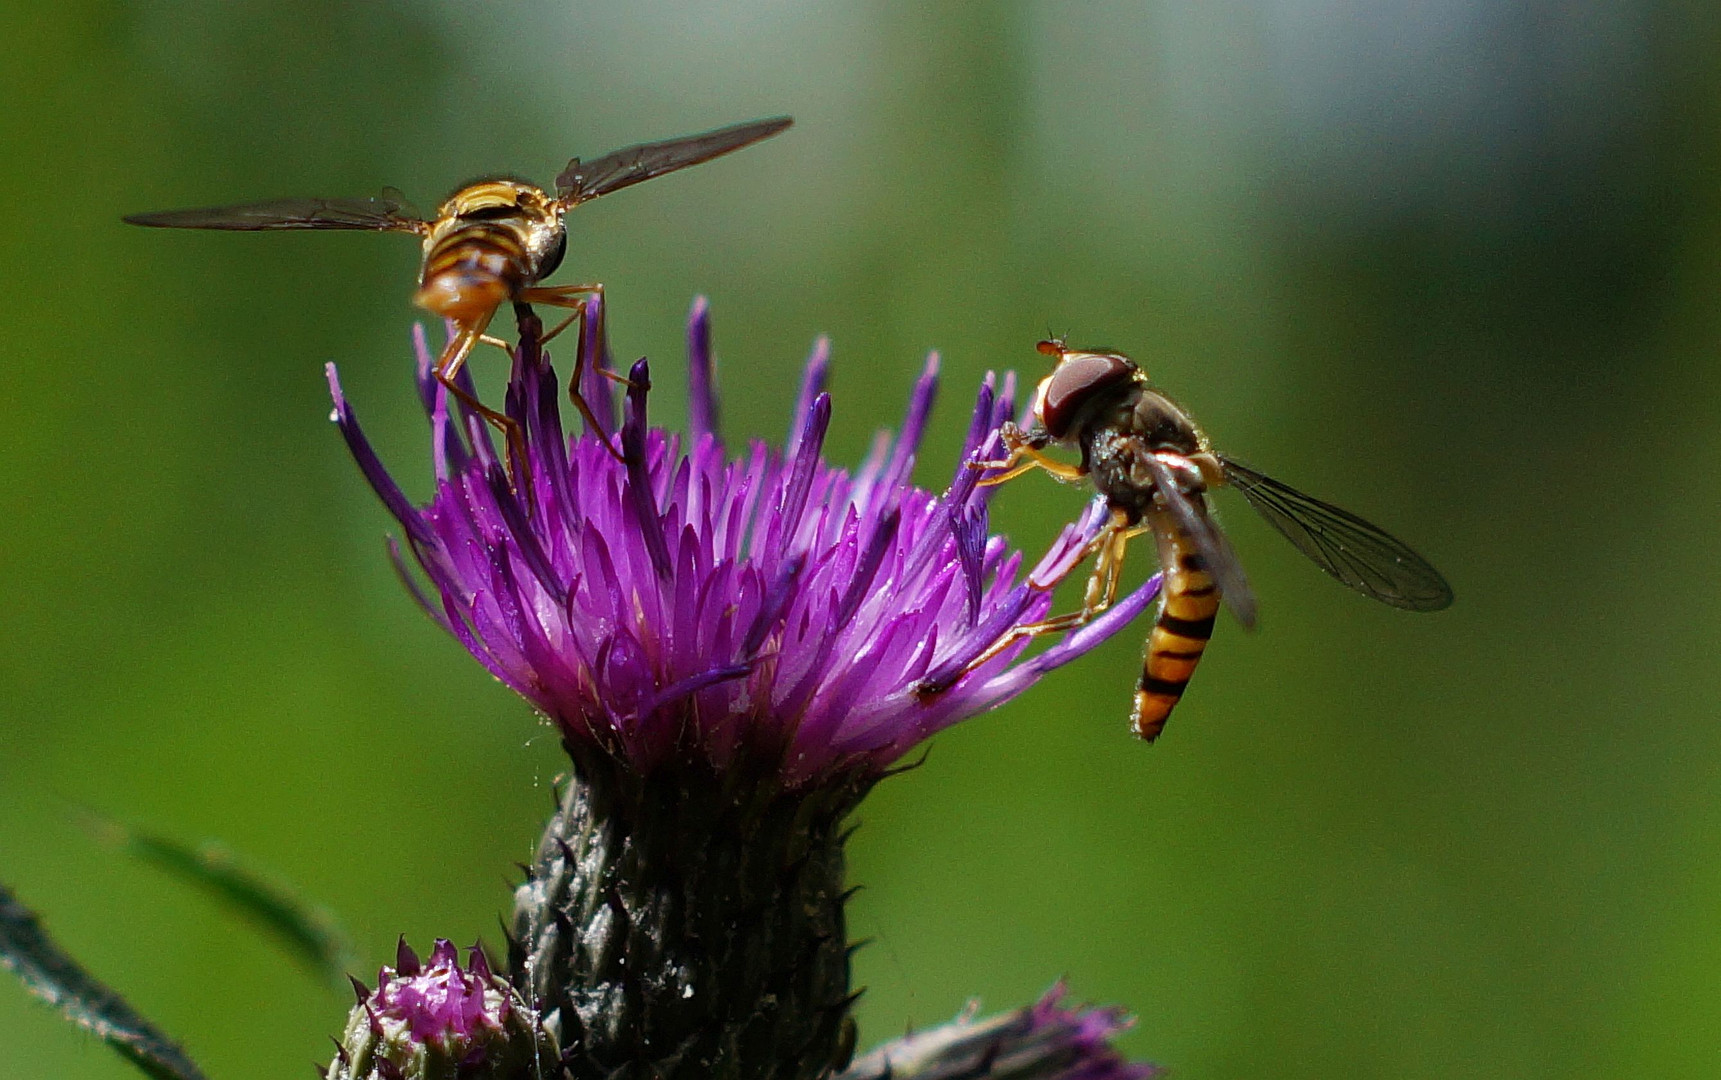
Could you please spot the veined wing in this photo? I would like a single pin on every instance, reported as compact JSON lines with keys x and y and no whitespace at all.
{"x":581,"y":180}
{"x":1216,"y":552}
{"x":1344,"y":545}
{"x":386,"y":214}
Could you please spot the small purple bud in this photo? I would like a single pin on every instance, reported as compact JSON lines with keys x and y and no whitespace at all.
{"x":442,"y":1022}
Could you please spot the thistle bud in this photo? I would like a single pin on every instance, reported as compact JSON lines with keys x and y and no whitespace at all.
{"x":438,"y":1021}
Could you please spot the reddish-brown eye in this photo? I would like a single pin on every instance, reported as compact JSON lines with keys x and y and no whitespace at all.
{"x":1081,"y":380}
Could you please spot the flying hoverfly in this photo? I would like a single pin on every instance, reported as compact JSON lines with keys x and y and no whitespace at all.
{"x":1154,"y":467}
{"x":490,"y":242}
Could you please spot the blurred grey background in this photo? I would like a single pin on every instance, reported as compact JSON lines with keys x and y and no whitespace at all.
{"x":1451,"y":264}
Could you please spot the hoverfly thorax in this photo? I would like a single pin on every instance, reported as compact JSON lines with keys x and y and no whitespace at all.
{"x":1163,"y":425}
{"x":1163,"y":429}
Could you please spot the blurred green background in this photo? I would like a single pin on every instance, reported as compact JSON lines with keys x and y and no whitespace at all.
{"x":1453,"y":265}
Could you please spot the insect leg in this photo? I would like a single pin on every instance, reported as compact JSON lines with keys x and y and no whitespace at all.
{"x":572,"y":297}
{"x":1111,"y":542}
{"x":1022,"y":446}
{"x":448,"y":366}
{"x":1009,"y":473}
{"x":563,"y":325}
{"x":580,"y":307}
{"x":1063,"y":470}
{"x":578,"y":298}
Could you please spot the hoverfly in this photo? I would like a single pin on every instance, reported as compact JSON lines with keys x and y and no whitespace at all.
{"x":490,"y":242}
{"x":1153,"y":466}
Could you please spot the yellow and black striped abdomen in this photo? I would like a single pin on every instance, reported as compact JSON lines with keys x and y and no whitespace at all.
{"x":481,"y":249}
{"x":471,"y":268}
{"x":1189,"y":605}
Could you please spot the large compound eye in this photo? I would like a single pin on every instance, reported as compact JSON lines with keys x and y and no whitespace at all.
{"x":553,"y":258}
{"x":1081,"y":380}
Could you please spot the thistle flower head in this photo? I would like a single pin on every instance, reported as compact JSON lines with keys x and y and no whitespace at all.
{"x":1082,"y":1036}
{"x":1048,"y":1040}
{"x":689,"y":601}
{"x":436,"y":1019}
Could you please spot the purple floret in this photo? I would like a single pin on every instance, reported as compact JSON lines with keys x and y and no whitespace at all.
{"x":439,"y":1000}
{"x":1044,"y":1041}
{"x":1086,"y":1033}
{"x":687,"y":601}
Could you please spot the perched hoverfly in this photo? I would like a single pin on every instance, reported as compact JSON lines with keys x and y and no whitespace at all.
{"x":1153,"y":466}
{"x":491,"y":242}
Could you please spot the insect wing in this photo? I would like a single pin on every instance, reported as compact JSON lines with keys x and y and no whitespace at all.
{"x":1215,"y":550}
{"x":386,"y":214}
{"x":1344,"y":545}
{"x":581,"y":181}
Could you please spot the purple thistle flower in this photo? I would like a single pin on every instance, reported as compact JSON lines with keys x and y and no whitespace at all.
{"x":686,"y":600}
{"x":1044,"y":1041}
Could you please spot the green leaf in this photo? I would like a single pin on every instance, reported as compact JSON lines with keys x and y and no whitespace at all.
{"x":48,"y":973}
{"x":309,"y":933}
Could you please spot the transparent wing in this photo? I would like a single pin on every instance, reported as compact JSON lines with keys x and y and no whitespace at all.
{"x":1215,"y":550}
{"x":386,"y":214}
{"x":624,"y":168}
{"x":1344,"y":545}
